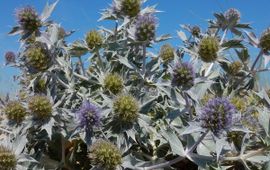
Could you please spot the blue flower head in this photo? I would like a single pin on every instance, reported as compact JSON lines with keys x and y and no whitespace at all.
{"x":217,"y":115}
{"x":88,"y":115}
{"x":145,"y":27}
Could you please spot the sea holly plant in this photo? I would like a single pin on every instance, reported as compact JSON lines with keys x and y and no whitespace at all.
{"x":109,"y":101}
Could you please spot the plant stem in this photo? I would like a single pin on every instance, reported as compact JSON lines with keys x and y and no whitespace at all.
{"x":144,"y":60}
{"x":223,"y":37}
{"x":245,"y":156}
{"x":82,"y":66}
{"x":188,"y":106}
{"x":179,"y":158}
{"x":256,"y":60}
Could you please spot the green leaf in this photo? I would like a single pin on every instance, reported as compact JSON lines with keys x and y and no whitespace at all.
{"x":174,"y":141}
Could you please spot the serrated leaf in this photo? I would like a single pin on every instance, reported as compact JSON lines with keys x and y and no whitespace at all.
{"x":233,"y":44}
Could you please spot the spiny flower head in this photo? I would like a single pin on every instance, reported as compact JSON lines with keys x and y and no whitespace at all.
{"x":15,"y":111}
{"x":217,"y":115}
{"x":93,"y":39}
{"x":239,"y":103}
{"x":38,"y":58}
{"x":145,"y":27}
{"x":232,"y":14}
{"x":114,"y":83}
{"x":166,"y":53}
{"x":10,"y":57}
{"x":265,"y":40}
{"x":208,"y":49}
{"x":88,"y":115}
{"x":130,"y":8}
{"x":126,"y":109}
{"x":8,"y":159}
{"x":105,"y":155}
{"x":40,"y":106}
{"x":183,"y":76}
{"x":250,"y":119}
{"x":28,"y":19}
{"x":235,"y":67}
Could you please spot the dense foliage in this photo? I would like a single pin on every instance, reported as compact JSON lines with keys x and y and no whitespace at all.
{"x":108,"y":101}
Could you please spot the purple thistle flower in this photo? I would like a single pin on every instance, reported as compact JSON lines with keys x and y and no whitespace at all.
{"x":28,"y":19}
{"x":88,"y":115}
{"x":145,"y":27}
{"x":183,"y":75}
{"x":10,"y":57}
{"x":233,"y":13}
{"x":217,"y":115}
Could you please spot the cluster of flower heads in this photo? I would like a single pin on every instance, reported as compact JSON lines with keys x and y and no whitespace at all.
{"x":217,"y":115}
{"x":113,"y":83}
{"x":232,"y":14}
{"x":265,"y":40}
{"x":130,"y":8}
{"x":183,"y":76}
{"x":235,"y":67}
{"x":37,"y":58}
{"x":15,"y":111}
{"x":208,"y":49}
{"x":10,"y":57}
{"x":88,"y":115}
{"x":145,"y":27}
{"x":8,"y":160}
{"x":28,"y":19}
{"x":40,"y":107}
{"x":93,"y":39}
{"x":105,"y":155}
{"x":126,"y":109}
{"x":166,"y":53}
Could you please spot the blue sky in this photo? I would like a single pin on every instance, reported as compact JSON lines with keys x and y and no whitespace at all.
{"x":82,"y":15}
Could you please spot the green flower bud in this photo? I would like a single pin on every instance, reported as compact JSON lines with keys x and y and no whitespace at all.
{"x":166,"y":53}
{"x":105,"y":155}
{"x":93,"y":39}
{"x":126,"y":109}
{"x":114,"y":83}
{"x":235,"y":67}
{"x":8,"y":159}
{"x":265,"y":40}
{"x":41,"y":85}
{"x":15,"y":111}
{"x":130,"y":8}
{"x":41,"y":107}
{"x":208,"y":49}
{"x":239,"y":103}
{"x":37,"y":58}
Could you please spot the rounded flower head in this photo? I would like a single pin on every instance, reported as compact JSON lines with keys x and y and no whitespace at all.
{"x":183,"y":76}
{"x":145,"y":27}
{"x":232,"y":14}
{"x":15,"y":111}
{"x":126,"y":109}
{"x":114,"y":83}
{"x":8,"y":159}
{"x":93,"y":39}
{"x":235,"y":67}
{"x":10,"y":57}
{"x":208,"y":49}
{"x":217,"y":115}
{"x":28,"y":19}
{"x":88,"y":115}
{"x":265,"y":40}
{"x":166,"y":53}
{"x":37,"y":58}
{"x":195,"y":31}
{"x":105,"y":155}
{"x":40,"y":106}
{"x":130,"y":8}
